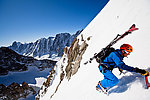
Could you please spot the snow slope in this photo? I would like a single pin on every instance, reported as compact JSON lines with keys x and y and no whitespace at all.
{"x":116,"y":17}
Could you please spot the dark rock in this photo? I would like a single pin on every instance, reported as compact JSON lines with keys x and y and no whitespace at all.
{"x":14,"y":91}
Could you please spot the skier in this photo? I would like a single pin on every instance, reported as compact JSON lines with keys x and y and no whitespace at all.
{"x":113,"y":60}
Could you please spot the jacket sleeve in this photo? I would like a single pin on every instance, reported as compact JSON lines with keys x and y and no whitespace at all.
{"x":119,"y":62}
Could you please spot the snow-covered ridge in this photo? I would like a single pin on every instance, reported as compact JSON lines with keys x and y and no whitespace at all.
{"x":116,"y":17}
{"x":52,"y":46}
{"x":65,"y":68}
{"x":12,"y":61}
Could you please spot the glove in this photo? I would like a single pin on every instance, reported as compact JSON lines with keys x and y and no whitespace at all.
{"x":142,"y":72}
{"x":146,"y":74}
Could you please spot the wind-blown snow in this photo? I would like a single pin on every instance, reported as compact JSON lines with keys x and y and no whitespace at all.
{"x":116,"y":17}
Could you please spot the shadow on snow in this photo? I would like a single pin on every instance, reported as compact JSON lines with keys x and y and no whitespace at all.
{"x":126,"y":81}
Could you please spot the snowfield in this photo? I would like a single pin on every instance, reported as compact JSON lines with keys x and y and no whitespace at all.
{"x":115,"y":18}
{"x":33,"y":76}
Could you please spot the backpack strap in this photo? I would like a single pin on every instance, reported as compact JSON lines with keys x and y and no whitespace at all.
{"x":104,"y":67}
{"x":119,"y":55}
{"x":108,"y":62}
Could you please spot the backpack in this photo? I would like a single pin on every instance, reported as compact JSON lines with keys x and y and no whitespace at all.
{"x":102,"y":55}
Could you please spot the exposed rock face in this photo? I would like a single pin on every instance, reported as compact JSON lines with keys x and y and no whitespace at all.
{"x":47,"y":83}
{"x":14,"y":91}
{"x":74,"y":56}
{"x":69,"y":66}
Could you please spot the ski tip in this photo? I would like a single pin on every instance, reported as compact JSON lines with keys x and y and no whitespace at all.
{"x":133,"y":25}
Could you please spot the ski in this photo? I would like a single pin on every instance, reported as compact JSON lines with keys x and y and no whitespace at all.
{"x":147,"y":81}
{"x":117,"y":38}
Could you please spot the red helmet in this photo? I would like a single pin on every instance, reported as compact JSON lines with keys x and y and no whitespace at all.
{"x":126,"y":47}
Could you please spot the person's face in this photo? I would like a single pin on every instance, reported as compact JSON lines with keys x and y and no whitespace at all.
{"x":125,"y":53}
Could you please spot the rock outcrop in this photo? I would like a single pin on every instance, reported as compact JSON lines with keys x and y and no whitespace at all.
{"x":15,"y":91}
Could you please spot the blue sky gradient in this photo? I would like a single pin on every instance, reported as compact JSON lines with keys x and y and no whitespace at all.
{"x":29,"y":20}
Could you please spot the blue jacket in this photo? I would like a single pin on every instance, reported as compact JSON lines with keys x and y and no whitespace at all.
{"x":115,"y":59}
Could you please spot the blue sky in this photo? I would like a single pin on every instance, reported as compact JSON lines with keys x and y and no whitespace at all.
{"x":29,"y":20}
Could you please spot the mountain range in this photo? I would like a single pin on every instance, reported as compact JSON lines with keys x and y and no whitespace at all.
{"x":51,"y":46}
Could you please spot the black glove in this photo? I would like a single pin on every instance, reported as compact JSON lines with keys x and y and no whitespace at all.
{"x":141,"y":71}
{"x":137,"y":70}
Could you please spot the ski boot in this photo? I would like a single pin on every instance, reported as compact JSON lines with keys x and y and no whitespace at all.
{"x":100,"y":88}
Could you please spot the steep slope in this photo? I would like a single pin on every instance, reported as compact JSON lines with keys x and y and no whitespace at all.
{"x":116,"y":17}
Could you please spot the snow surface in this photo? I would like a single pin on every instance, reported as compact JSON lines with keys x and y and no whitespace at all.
{"x":116,"y":17}
{"x":54,"y":57}
{"x":33,"y":76}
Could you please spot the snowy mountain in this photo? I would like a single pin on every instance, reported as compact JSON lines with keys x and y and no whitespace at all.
{"x":115,"y":18}
{"x":12,"y":61}
{"x":50,"y":46}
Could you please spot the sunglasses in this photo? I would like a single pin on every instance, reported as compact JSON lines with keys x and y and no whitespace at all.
{"x":127,"y":52}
